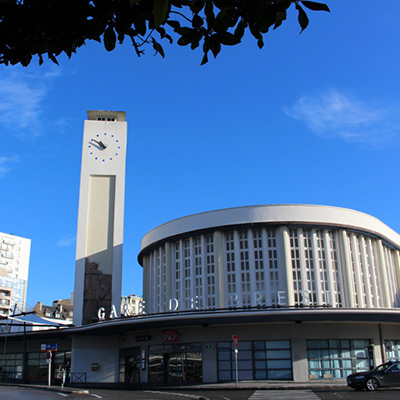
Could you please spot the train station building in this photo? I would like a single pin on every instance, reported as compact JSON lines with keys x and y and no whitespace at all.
{"x":309,"y":292}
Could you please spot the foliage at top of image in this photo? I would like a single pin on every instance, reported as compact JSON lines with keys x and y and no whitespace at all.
{"x":51,"y":27}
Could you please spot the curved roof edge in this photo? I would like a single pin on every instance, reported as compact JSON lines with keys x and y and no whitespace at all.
{"x":276,"y":213}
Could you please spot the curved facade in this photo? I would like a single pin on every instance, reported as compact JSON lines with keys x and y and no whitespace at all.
{"x":271,"y":255}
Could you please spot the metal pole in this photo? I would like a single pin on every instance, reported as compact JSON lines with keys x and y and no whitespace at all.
{"x":236,"y":359}
{"x":49,"y":376}
{"x":24,"y":357}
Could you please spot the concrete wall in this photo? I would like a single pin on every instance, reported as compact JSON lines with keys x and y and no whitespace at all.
{"x":104,"y":351}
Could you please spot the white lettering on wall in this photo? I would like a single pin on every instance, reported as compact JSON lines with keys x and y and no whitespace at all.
{"x":258,"y":298}
{"x":195,"y":303}
{"x":173,"y":304}
{"x":233,"y":300}
{"x":281,"y":298}
{"x":101,"y":314}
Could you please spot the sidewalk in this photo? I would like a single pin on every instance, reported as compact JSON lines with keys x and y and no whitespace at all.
{"x":243,"y":385}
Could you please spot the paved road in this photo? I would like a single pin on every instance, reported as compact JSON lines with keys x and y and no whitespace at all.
{"x":20,"y":393}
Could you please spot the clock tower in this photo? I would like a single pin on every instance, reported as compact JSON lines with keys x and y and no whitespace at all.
{"x":98,"y":270}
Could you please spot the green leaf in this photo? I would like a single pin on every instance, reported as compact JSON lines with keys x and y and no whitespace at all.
{"x":174,"y":24}
{"x":227,"y":38}
{"x":209,"y":13}
{"x":204,"y":60}
{"x":303,"y":19}
{"x":157,"y":47}
{"x":109,"y":39}
{"x":197,"y":21}
{"x":312,"y":5}
{"x":160,"y":10}
{"x":215,"y":45}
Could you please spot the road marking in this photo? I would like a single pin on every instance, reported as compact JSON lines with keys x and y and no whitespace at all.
{"x":96,"y":395}
{"x":284,"y":395}
{"x":62,"y":394}
{"x":188,"y":396}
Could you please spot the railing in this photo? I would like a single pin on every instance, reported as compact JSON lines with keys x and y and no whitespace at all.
{"x":78,"y":378}
{"x":10,"y":376}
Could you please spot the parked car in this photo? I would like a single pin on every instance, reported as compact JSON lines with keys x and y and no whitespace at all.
{"x":384,"y":375}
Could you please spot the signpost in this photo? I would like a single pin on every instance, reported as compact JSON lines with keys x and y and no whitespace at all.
{"x":236,"y":343}
{"x":49,"y":348}
{"x":48,"y":359}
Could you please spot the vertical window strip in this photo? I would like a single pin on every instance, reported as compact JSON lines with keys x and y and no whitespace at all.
{"x":198,"y":269}
{"x":353,"y":272}
{"x":296,"y":267}
{"x":260,"y":278}
{"x":164,"y":278}
{"x":337,"y":280}
{"x":361,"y":268}
{"x":177,"y":270}
{"x":273,"y":268}
{"x":151,"y":280}
{"x":187,"y":272}
{"x":393,"y":282}
{"x":309,"y":266}
{"x":322,"y":269}
{"x":375,"y":273}
{"x":158,"y":277}
{"x":230,"y":265}
{"x":245,"y":268}
{"x":210,"y":265}
{"x":370,"y":300}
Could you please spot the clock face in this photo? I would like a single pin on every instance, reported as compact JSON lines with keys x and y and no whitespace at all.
{"x":104,"y":147}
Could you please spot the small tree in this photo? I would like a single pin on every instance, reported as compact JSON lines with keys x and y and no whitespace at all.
{"x":40,"y":27}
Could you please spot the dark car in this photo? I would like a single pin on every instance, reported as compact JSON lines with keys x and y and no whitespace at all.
{"x":387,"y":374}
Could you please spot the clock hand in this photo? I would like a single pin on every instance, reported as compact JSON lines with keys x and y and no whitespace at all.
{"x":100,"y":143}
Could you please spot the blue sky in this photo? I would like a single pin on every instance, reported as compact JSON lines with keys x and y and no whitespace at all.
{"x":312,"y":118}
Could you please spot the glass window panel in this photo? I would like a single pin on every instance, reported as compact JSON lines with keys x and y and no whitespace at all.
{"x":261,"y":374}
{"x":345,"y":344}
{"x":334,"y":344}
{"x":245,"y":375}
{"x":224,"y":375}
{"x":360,"y":353}
{"x":224,"y":355}
{"x":260,"y":365}
{"x":278,"y":354}
{"x":360,"y":344}
{"x":245,"y":365}
{"x":260,"y":355}
{"x":224,"y":365}
{"x":277,"y":344}
{"x":313,"y":354}
{"x":280,"y":374}
{"x":317,"y":344}
{"x":346,"y":353}
{"x":222,"y":345}
{"x":258,"y":345}
{"x":275,"y":364}
{"x":244,"y":346}
{"x":362,"y":364}
{"x":244,"y":355}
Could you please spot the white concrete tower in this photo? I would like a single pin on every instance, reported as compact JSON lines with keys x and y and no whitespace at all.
{"x":98,"y":273}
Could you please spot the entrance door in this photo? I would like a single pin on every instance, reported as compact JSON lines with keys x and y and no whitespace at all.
{"x":132,"y":369}
{"x":176,"y":366}
{"x":129,"y":365}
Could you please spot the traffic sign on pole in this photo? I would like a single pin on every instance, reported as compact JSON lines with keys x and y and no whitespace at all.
{"x":236,"y":343}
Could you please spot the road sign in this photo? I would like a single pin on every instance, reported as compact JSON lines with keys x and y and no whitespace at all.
{"x":47,"y":347}
{"x":235,"y":341}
